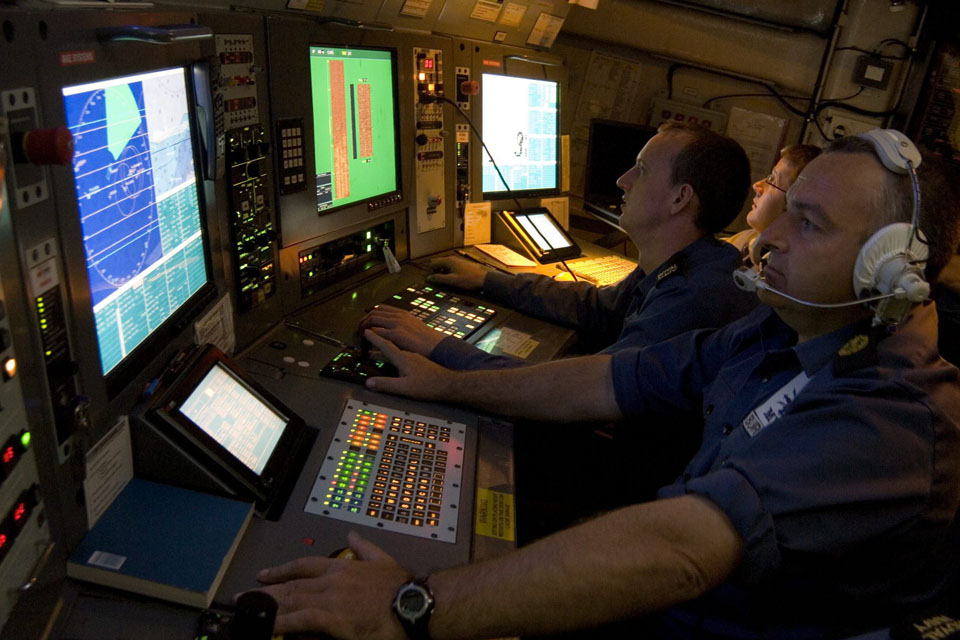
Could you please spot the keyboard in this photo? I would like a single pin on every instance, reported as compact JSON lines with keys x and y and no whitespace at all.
{"x":603,"y":270}
{"x":441,"y":311}
{"x":352,"y":365}
{"x":392,"y":470}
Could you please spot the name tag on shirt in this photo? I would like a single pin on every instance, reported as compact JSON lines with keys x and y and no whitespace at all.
{"x":775,"y":405}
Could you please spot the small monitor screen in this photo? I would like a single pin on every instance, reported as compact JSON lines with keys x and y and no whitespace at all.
{"x":137,"y":195}
{"x":612,"y":149}
{"x":521,"y":127}
{"x":232,"y":415}
{"x":544,"y":231}
{"x":355,"y":124}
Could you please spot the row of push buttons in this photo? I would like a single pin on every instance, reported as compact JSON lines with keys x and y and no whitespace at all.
{"x":408,"y":486}
{"x":450,"y":315}
{"x":349,"y":484}
{"x":393,"y":470}
{"x":419,"y":429}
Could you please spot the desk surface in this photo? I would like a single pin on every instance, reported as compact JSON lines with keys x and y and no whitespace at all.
{"x":286,"y":362}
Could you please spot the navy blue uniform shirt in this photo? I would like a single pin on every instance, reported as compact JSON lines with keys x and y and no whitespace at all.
{"x":694,"y":289}
{"x":845,"y":502}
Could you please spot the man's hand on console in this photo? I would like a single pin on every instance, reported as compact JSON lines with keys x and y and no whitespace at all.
{"x":457,"y":272}
{"x":343,"y":598}
{"x":402,"y":329}
{"x":418,"y":377}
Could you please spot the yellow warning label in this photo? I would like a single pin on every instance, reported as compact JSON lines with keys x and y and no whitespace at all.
{"x":495,"y":515}
{"x":306,"y":5}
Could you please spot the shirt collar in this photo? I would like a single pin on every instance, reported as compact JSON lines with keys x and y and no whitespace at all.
{"x":690,"y":256}
{"x":814,"y":354}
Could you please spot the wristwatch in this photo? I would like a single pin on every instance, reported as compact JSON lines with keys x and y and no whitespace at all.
{"x":413,"y":605}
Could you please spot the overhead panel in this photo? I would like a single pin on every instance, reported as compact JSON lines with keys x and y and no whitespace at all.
{"x":809,"y":15}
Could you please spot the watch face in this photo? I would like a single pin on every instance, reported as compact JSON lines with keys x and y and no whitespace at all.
{"x":412,"y":601}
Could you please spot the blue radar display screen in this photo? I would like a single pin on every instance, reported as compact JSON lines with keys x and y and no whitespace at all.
{"x":137,"y":196}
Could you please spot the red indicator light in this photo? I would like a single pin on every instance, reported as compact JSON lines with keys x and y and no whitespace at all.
{"x":8,"y":455}
{"x":428,"y":64}
{"x":19,"y":511}
{"x":3,"y":540}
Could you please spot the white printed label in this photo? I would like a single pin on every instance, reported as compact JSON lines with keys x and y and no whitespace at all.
{"x":775,"y":406}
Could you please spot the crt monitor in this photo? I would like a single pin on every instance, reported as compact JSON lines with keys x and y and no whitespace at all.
{"x":355,"y":124}
{"x":141,"y":212}
{"x":612,"y":149}
{"x":521,"y":129}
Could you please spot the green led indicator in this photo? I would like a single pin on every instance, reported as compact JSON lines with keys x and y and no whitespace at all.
{"x":369,"y":234}
{"x":354,"y":296}
{"x":25,"y":439}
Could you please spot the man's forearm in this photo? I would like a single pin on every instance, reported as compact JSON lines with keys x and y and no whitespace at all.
{"x":569,"y":390}
{"x":627,"y":563}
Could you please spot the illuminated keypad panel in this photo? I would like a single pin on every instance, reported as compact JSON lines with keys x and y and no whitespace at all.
{"x":444,"y":312}
{"x":392,"y":470}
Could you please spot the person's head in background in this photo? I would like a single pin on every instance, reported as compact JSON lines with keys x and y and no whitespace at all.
{"x":687,"y":182}
{"x":716,"y":167}
{"x":771,"y":192}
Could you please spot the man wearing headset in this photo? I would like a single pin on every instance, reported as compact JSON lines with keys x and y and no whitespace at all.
{"x":821,"y":502}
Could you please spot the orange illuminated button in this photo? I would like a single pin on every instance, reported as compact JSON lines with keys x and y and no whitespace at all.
{"x":9,"y":368}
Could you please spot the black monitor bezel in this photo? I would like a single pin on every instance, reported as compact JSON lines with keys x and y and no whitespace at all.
{"x":541,"y":255}
{"x":166,"y":414}
{"x":396,"y":126}
{"x":592,"y":151}
{"x":523,"y":193}
{"x":127,"y":369}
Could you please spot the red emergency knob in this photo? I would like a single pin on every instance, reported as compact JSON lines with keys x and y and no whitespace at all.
{"x":44,"y":146}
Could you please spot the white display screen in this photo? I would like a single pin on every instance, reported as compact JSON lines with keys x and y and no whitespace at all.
{"x":138,"y":200}
{"x":541,"y":228}
{"x":236,"y":418}
{"x":520,"y":128}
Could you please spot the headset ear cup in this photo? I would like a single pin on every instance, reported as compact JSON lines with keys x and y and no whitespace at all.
{"x":885,"y":264}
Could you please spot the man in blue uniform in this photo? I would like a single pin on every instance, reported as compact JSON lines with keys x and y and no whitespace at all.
{"x":820,"y":504}
{"x":687,"y":184}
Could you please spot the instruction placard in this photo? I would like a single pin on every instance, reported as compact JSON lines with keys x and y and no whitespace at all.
{"x":109,"y":466}
{"x":496,"y":515}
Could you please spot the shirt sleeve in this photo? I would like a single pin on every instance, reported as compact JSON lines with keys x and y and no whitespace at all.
{"x":454,"y":353}
{"x":678,"y":305}
{"x":668,"y":377}
{"x":869,"y":454}
{"x":597,"y":310}
{"x":733,"y":494}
